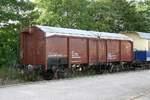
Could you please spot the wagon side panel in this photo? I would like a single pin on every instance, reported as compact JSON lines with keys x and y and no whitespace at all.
{"x":102,"y":51}
{"x":40,"y":48}
{"x":56,"y":50}
{"x":126,"y":51}
{"x":113,"y":50}
{"x":92,"y":51}
{"x":78,"y":50}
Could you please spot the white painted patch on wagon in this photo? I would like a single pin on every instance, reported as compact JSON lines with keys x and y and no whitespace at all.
{"x":75,"y":55}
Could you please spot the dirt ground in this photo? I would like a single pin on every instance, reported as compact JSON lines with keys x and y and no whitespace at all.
{"x":118,"y":86}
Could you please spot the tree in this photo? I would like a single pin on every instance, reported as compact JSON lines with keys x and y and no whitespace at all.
{"x":64,"y":13}
{"x":144,"y":10}
{"x":81,"y":14}
{"x":125,"y":15}
{"x":100,"y":15}
{"x":14,"y":16}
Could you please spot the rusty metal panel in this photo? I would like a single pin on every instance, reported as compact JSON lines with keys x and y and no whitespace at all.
{"x":32,"y":47}
{"x":56,"y":47}
{"x":113,"y":50}
{"x":78,"y":50}
{"x":102,"y":51}
{"x":40,"y":48}
{"x":126,"y":51}
{"x":92,"y":51}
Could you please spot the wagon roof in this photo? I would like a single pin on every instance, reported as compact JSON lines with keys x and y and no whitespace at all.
{"x":51,"y":31}
{"x":144,"y":35}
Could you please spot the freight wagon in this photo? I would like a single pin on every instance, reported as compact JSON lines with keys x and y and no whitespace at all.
{"x":56,"y":49}
{"x":141,"y":48}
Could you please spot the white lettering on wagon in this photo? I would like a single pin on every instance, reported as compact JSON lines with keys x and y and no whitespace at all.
{"x":111,"y":56}
{"x":75,"y":55}
{"x":54,"y":54}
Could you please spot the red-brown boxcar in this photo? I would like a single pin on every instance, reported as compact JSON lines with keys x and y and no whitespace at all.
{"x":53,"y":47}
{"x":32,"y":47}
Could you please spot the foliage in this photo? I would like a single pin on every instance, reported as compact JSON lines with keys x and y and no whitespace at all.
{"x":100,"y":15}
{"x":80,"y":14}
{"x":14,"y":16}
{"x":65,"y":13}
{"x":144,"y":9}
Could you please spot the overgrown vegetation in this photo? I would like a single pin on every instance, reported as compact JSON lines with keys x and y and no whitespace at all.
{"x":99,"y":15}
{"x":9,"y":75}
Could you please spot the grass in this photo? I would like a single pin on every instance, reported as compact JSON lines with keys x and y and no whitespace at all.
{"x":12,"y":75}
{"x":9,"y":75}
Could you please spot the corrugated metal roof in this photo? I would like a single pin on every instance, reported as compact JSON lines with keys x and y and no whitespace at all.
{"x":144,"y":35}
{"x":50,"y":31}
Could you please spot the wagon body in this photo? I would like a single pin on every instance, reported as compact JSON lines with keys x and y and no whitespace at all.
{"x":141,"y":46}
{"x":32,"y":47}
{"x":51,"y":46}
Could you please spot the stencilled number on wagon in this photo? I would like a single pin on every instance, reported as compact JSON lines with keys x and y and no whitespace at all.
{"x":75,"y":55}
{"x":111,"y":56}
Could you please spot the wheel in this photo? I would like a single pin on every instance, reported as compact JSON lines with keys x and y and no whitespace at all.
{"x":112,"y":69}
{"x":48,"y":74}
{"x":67,"y":73}
{"x":97,"y":69}
{"x":64,"y":73}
